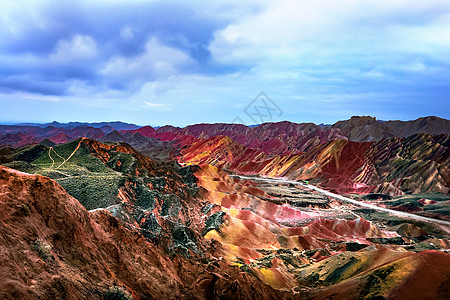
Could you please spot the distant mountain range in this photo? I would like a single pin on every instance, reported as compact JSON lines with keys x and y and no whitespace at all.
{"x":374,"y":129}
{"x":277,"y":138}
{"x":117,"y":125}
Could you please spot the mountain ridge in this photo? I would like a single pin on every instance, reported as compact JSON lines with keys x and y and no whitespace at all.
{"x":160,"y":228}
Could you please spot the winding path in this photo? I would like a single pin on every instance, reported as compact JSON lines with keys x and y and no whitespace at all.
{"x":70,"y":156}
{"x":50,"y":155}
{"x":348,"y":200}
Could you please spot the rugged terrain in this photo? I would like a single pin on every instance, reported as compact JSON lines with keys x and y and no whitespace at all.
{"x":148,"y":244}
{"x":293,"y":238}
{"x":150,"y":213}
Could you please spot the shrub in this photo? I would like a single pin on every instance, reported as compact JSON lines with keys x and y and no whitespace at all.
{"x":25,"y":209}
{"x":43,"y":248}
{"x":117,"y":293}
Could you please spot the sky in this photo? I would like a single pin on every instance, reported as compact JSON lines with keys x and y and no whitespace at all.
{"x":246,"y":61}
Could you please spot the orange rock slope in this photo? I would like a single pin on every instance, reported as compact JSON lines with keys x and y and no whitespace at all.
{"x":51,"y":247}
{"x":394,"y":166}
{"x":261,"y":237}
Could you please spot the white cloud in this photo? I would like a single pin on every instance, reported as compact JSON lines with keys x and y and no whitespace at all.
{"x":151,"y":104}
{"x":80,"y":47}
{"x":157,"y":61}
{"x":158,"y":106}
{"x":300,"y":31}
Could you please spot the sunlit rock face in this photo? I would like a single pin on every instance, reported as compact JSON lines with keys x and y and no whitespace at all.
{"x":317,"y":252}
{"x":415,"y":164}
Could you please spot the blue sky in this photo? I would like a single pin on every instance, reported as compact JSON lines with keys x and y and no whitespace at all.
{"x":179,"y":62}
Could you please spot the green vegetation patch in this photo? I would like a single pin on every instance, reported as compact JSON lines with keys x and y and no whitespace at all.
{"x":43,"y":248}
{"x":117,"y":293}
{"x":375,"y":282}
{"x":25,"y":209}
{"x":22,"y":166}
{"x":336,"y":275}
{"x":26,"y":153}
{"x":81,"y":159}
{"x":124,"y":163}
{"x":93,"y":191}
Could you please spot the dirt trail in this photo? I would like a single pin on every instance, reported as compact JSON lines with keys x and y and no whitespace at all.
{"x":70,"y":156}
{"x":88,"y":176}
{"x":50,"y":155}
{"x":348,"y":200}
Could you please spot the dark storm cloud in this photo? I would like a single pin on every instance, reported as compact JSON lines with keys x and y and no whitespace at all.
{"x":109,"y":32}
{"x":320,"y":59}
{"x":13,"y":84}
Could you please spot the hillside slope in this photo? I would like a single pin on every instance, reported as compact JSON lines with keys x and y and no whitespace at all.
{"x":52,"y":247}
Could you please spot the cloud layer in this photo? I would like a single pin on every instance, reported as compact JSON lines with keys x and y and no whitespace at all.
{"x":164,"y":62}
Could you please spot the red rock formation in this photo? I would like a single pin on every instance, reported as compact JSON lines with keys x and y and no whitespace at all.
{"x":52,"y":247}
{"x":418,"y":163}
{"x":255,"y":232}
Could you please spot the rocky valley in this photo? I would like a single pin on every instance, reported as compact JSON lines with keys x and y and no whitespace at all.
{"x":226,"y":211}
